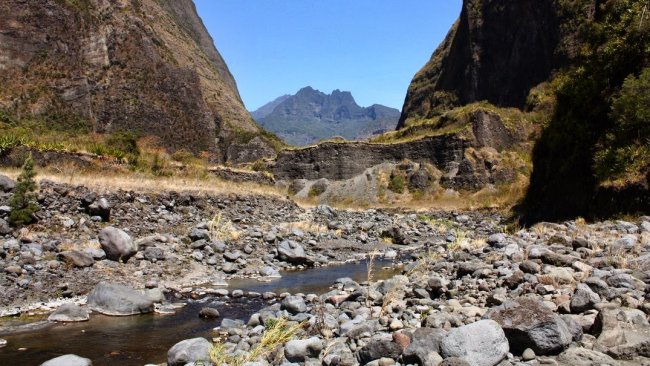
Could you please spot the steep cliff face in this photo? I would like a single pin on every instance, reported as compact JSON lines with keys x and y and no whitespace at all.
{"x":497,"y":51}
{"x":470,"y":158}
{"x":147,"y":66}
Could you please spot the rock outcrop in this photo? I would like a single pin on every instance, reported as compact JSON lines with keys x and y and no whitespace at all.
{"x":103,"y":66}
{"x":469,"y":158}
{"x":496,"y":51}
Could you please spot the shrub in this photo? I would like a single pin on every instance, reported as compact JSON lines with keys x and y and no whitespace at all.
{"x":397,"y":183}
{"x":23,"y":201}
{"x":183,"y":156}
{"x":123,"y":141}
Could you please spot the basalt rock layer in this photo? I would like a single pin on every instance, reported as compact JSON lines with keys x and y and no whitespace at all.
{"x":470,"y":158}
{"x":146,"y":66}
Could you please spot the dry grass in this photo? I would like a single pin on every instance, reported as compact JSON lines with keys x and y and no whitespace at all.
{"x":277,"y":333}
{"x":139,"y":182}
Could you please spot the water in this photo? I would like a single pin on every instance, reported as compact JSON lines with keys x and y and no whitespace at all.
{"x":142,"y":339}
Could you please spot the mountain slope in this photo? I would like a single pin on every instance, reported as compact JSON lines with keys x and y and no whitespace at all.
{"x":311,"y":115}
{"x":267,"y":108}
{"x":146,"y":66}
{"x":496,"y":51}
{"x":580,"y":69}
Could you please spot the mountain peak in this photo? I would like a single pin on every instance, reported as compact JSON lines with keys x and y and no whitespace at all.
{"x":312,"y":115}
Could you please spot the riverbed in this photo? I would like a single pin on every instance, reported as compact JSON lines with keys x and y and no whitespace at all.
{"x":143,"y":339}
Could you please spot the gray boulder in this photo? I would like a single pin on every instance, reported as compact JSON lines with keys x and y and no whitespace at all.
{"x":380,"y":345}
{"x":4,"y":227}
{"x":198,"y":234}
{"x":301,"y":350}
{"x":482,"y":343}
{"x":100,"y":208}
{"x":294,"y":304}
{"x":583,"y":299}
{"x":69,"y":313}
{"x":68,"y":360}
{"x":424,"y":347}
{"x":620,"y":335}
{"x":527,"y":323}
{"x":209,"y":313}
{"x":579,"y":356}
{"x":189,"y":351}
{"x":116,"y":299}
{"x":117,"y":244}
{"x":154,"y":254}
{"x":6,"y":184}
{"x":292,"y":252}
{"x":155,"y":295}
{"x":77,"y":258}
{"x":96,"y":253}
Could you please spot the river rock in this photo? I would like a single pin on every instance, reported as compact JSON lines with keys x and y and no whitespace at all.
{"x":154,"y":254}
{"x":527,"y":323}
{"x":292,"y":252}
{"x":68,"y":360}
{"x":294,"y":304}
{"x":209,"y":313}
{"x":69,"y":313}
{"x":116,"y":299}
{"x":578,"y":356}
{"x":189,"y":351}
{"x":424,"y":347}
{"x":198,"y":234}
{"x":301,"y":350}
{"x":96,"y":253}
{"x":4,"y":227}
{"x":380,"y":346}
{"x":100,"y":208}
{"x":77,"y":258}
{"x":117,"y":244}
{"x":6,"y":184}
{"x":482,"y":343}
{"x":621,"y":336}
{"x":583,"y":299}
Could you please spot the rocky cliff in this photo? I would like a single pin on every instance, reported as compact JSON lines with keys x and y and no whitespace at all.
{"x":470,"y":158}
{"x":310,"y":115}
{"x":581,"y":68}
{"x":147,"y":66}
{"x":497,"y":51}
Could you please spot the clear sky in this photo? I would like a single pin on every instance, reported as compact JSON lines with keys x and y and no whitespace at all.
{"x":372,"y":48}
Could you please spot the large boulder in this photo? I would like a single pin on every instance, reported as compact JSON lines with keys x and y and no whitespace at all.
{"x":100,"y":208}
{"x":117,"y":244}
{"x":294,"y":304}
{"x":77,"y":258}
{"x":527,"y":323}
{"x":292,"y":252}
{"x":622,"y":334}
{"x":424,"y":347}
{"x":380,"y":345}
{"x":482,"y":343}
{"x":6,"y":184}
{"x":68,"y":360}
{"x":116,"y":299}
{"x":189,"y":351}
{"x":301,"y":350}
{"x":578,"y":356}
{"x":4,"y":227}
{"x":583,"y":299}
{"x":69,"y":313}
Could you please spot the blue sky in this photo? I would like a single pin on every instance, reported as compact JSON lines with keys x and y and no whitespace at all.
{"x":372,"y":48}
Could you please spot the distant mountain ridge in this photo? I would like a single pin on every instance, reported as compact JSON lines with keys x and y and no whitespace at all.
{"x":311,"y":115}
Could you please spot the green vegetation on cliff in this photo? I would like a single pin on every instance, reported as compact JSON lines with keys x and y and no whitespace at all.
{"x":598,"y":136}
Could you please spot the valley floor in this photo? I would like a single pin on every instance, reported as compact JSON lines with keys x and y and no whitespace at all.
{"x":473,"y":287}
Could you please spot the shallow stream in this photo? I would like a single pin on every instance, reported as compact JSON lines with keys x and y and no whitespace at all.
{"x":143,"y":339}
